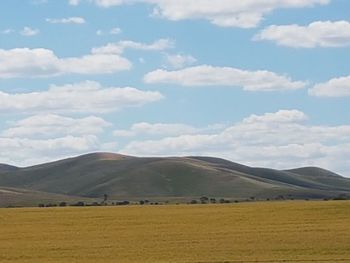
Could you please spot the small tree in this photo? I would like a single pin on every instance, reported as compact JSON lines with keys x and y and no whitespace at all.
{"x":80,"y":203}
{"x":105,"y":197}
{"x":204,"y":199}
{"x":62,"y":204}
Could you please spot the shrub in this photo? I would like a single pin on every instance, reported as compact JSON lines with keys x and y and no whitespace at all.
{"x":204,"y":199}
{"x":122,"y":203}
{"x":79,"y":204}
{"x":342,"y":197}
{"x":51,"y":205}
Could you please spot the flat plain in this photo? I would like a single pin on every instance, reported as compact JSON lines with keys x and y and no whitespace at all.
{"x":295,"y":231}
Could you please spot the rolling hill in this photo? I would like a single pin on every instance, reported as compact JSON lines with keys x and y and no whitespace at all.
{"x":128,"y":177}
{"x":7,"y":168}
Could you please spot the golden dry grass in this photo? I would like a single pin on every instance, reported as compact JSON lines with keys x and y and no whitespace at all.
{"x":249,"y":232}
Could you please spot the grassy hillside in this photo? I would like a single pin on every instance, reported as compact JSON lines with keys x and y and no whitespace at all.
{"x":119,"y":176}
{"x":7,"y":168}
{"x":22,"y":197}
{"x":246,"y":232}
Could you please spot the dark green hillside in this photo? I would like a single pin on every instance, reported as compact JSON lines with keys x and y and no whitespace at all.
{"x":120,"y":176}
{"x":7,"y":168}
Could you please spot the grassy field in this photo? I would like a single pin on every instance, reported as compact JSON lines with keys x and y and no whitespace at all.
{"x":246,"y":232}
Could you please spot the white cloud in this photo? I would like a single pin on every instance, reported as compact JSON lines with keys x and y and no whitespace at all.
{"x":74,"y":2}
{"x":84,"y":97}
{"x":7,"y":31}
{"x":146,"y":129}
{"x":29,"y":32}
{"x":52,"y":126}
{"x":205,"y":75}
{"x":279,"y":140}
{"x":115,"y":31}
{"x":47,"y":137}
{"x":179,"y":61}
{"x":156,"y":129}
{"x":316,"y":34}
{"x":225,"y":13}
{"x":337,"y":87}
{"x":69,"y":20}
{"x":25,"y":62}
{"x":23,"y":151}
{"x":40,"y":62}
{"x":121,"y":46}
{"x":282,"y":116}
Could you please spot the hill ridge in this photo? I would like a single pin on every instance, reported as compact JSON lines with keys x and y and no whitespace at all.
{"x":121,"y":176}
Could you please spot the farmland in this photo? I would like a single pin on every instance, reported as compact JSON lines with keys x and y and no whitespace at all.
{"x":298,"y":231}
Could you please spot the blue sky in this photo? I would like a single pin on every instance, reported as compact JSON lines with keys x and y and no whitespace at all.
{"x":265,"y":83}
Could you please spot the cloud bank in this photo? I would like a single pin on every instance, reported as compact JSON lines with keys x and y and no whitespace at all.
{"x":317,"y":34}
{"x":84,"y":97}
{"x":281,"y":140}
{"x":206,"y":75}
{"x":224,"y":13}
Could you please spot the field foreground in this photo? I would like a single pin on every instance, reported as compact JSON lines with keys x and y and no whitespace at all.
{"x":247,"y":232}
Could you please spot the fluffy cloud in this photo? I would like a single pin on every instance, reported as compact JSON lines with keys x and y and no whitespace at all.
{"x":69,"y":20}
{"x":40,"y":62}
{"x":225,"y":13}
{"x":280,"y":140}
{"x":29,"y":32}
{"x":46,"y":137}
{"x":156,"y":129}
{"x":23,"y":151}
{"x":316,"y":34}
{"x":25,"y":62}
{"x":205,"y":75}
{"x":119,"y":47}
{"x":82,"y":97}
{"x":337,"y":87}
{"x":52,"y":126}
{"x":179,"y":61}
{"x":282,"y":116}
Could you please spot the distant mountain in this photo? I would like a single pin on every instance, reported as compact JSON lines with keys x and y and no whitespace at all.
{"x":128,"y":177}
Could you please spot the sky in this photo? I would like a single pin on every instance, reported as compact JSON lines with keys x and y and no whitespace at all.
{"x":259,"y":82}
